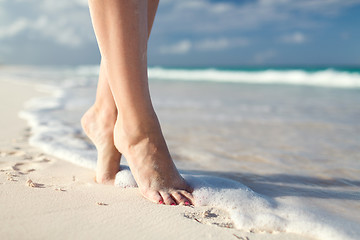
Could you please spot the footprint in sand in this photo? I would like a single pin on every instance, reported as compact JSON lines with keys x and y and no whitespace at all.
{"x":30,"y":183}
{"x":27,"y":167}
{"x":18,"y":163}
{"x":211,"y":216}
{"x":22,"y":162}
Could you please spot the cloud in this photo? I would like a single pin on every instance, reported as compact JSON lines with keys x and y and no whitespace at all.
{"x":181,"y":27}
{"x":207,"y":44}
{"x":181,"y":47}
{"x":294,"y":38}
{"x":64,"y":22}
{"x":204,"y":16}
{"x":262,"y":57}
{"x":216,"y":44}
{"x":13,"y":29}
{"x":329,"y":7}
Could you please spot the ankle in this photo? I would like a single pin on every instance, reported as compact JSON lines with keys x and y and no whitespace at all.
{"x":105,"y":178}
{"x":104,"y":112}
{"x":143,"y":125}
{"x":129,"y":132}
{"x":97,"y":120}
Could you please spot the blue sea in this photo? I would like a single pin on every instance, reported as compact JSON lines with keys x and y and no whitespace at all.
{"x":278,"y":148}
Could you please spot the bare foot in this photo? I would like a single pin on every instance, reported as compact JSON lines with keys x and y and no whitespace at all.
{"x":98,"y":125}
{"x":151,"y":164}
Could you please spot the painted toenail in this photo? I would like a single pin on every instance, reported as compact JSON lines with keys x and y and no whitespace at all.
{"x":187,"y":203}
{"x":173,"y":204}
{"x":161,"y":202}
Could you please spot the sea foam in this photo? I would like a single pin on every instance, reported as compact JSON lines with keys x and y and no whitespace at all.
{"x":322,"y":78}
{"x":51,"y":134}
{"x":256,"y":213}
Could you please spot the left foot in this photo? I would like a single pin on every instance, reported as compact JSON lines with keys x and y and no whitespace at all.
{"x":98,"y":125}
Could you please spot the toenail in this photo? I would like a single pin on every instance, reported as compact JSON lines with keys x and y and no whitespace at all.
{"x":161,"y":202}
{"x":187,"y":203}
{"x":173,"y":204}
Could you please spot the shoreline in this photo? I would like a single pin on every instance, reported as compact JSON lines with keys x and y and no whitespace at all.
{"x":63,"y":201}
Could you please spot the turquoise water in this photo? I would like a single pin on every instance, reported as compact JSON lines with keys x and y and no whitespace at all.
{"x":349,"y":69}
{"x":292,"y":135}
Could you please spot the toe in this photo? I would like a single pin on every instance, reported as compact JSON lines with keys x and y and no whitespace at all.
{"x":180,"y":199}
{"x":167,"y":198}
{"x":189,"y":197}
{"x":154,"y":196}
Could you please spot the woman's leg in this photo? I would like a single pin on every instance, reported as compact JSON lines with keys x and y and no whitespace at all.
{"x":121,"y":28}
{"x":98,"y":122}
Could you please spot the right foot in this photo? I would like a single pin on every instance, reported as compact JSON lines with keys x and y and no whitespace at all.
{"x":151,"y":164}
{"x":99,"y":126}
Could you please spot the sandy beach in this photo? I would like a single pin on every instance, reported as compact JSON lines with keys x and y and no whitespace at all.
{"x":47,"y":198}
{"x":257,"y":101}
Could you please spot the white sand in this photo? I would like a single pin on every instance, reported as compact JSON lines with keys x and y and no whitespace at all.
{"x":65,"y":203}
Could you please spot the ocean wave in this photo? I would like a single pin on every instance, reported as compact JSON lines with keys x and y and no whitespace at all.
{"x":323,"y":78}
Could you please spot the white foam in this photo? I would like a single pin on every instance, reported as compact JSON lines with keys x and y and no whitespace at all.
{"x":323,"y":78}
{"x":125,"y":179}
{"x":257,"y":213}
{"x":52,"y":135}
{"x":253,"y":212}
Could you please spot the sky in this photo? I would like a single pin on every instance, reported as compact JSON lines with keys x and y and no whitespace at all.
{"x":192,"y":33}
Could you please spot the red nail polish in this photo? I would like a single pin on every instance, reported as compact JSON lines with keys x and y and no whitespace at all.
{"x":173,"y":204}
{"x":161,"y":202}
{"x":187,"y":203}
